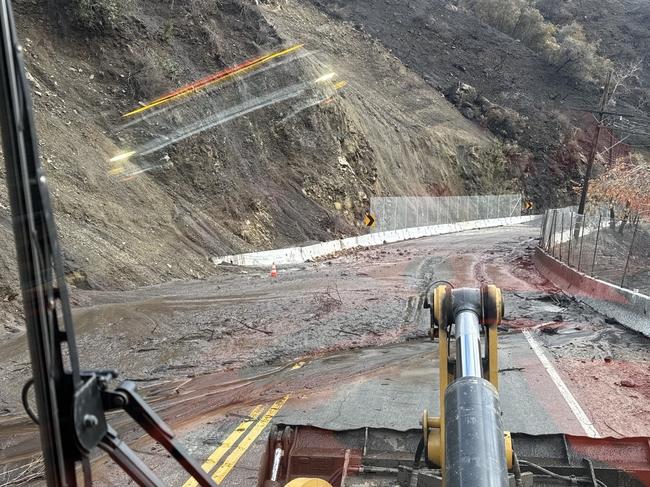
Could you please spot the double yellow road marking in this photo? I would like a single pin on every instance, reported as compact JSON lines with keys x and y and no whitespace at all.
{"x":235,"y":455}
{"x":213,"y":459}
{"x":248,"y":440}
{"x":298,"y":365}
{"x":241,"y":448}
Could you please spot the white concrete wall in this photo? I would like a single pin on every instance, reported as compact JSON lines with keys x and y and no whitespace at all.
{"x":297,"y":255}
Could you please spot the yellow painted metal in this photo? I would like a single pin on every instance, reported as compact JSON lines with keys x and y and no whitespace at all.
{"x":509,"y":455}
{"x":434,"y":422}
{"x":442,"y":357}
{"x":493,"y":356}
{"x":492,"y":303}
{"x":435,"y":452}
{"x":425,"y":426}
{"x":444,"y":377}
{"x":438,"y":295}
{"x":308,"y":483}
{"x":434,"y":427}
{"x":495,"y":304}
{"x":432,"y":431}
{"x":498,"y":300}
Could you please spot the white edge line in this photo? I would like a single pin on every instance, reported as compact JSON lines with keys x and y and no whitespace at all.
{"x":571,"y":401}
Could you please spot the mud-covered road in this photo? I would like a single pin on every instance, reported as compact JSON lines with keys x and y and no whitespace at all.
{"x":342,"y":344}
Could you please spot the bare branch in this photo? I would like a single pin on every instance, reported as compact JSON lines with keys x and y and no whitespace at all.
{"x":23,"y":474}
{"x":623,"y":75}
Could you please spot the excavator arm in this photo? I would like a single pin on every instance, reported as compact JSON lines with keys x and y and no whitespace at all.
{"x":465,"y":445}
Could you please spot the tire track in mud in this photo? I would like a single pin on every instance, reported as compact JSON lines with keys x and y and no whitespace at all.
{"x":599,"y":369}
{"x":392,"y":291}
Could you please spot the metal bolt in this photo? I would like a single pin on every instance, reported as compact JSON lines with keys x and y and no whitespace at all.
{"x":119,"y":401}
{"x":90,"y":421}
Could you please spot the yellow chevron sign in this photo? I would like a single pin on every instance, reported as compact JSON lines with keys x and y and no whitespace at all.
{"x":369,"y":220}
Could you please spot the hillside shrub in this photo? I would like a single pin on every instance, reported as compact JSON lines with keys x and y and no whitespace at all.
{"x":627,"y":180}
{"x":493,"y":169}
{"x":577,"y":56}
{"x":96,"y":15}
{"x":517,"y":18}
{"x":566,"y":47}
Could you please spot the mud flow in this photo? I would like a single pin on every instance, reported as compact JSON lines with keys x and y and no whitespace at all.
{"x":335,"y":334}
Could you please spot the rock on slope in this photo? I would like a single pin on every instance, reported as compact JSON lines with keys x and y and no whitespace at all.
{"x":448,"y":45}
{"x":252,"y":183}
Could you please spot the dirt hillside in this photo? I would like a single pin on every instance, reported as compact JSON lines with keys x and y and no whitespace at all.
{"x":447,"y":44}
{"x":256,"y":182}
{"x":296,"y":170}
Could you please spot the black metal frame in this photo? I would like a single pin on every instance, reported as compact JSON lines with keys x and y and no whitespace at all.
{"x":71,"y":404}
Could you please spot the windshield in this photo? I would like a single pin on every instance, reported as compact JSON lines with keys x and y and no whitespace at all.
{"x":254,"y":199}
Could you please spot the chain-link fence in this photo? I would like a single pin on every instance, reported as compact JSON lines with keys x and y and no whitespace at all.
{"x":609,"y":243}
{"x":393,"y":213}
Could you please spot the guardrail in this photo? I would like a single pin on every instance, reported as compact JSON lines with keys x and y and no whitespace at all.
{"x":297,"y":255}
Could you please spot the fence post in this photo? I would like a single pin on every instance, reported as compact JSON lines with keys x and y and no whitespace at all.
{"x":561,"y":235}
{"x":547,"y":235}
{"x":554,"y":230}
{"x":568,"y":258}
{"x":629,"y":252}
{"x":395,"y":213}
{"x":443,"y":215}
{"x":593,"y":262}
{"x":579,"y":218}
{"x":427,"y":201}
{"x":549,"y":242}
{"x":516,"y":205}
{"x":437,"y":210}
{"x":582,"y":236}
{"x":543,"y":230}
{"x":417,"y":211}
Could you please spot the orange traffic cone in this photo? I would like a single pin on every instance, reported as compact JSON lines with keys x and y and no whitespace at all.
{"x":274,"y":271}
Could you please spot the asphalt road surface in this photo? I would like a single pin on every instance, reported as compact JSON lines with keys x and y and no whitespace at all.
{"x":342,"y":344}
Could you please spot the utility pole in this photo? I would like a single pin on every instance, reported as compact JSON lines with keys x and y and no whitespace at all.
{"x":592,"y":155}
{"x":594,"y":146}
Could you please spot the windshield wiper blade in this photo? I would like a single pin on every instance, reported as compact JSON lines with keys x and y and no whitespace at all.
{"x":40,"y":269}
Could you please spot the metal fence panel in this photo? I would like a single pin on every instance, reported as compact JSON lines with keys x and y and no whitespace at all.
{"x":609,"y":243}
{"x":392,"y":213}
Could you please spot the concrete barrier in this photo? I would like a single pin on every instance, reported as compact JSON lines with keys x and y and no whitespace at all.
{"x":297,"y":255}
{"x":630,"y":308}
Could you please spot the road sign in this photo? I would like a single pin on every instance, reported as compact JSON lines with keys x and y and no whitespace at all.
{"x":369,"y":220}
